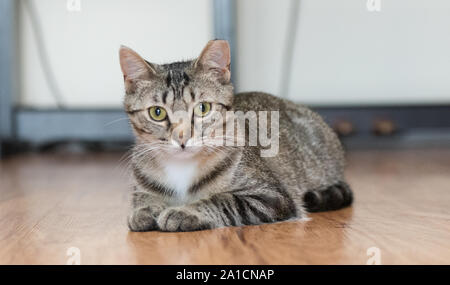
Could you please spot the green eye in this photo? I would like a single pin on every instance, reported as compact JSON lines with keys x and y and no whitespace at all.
{"x":157,"y":113}
{"x":202,"y":109}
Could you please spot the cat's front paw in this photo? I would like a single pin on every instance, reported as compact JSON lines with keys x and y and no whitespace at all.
{"x":181,"y":220}
{"x":142,"y":220}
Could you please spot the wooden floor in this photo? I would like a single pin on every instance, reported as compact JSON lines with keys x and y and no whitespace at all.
{"x":50,"y":203}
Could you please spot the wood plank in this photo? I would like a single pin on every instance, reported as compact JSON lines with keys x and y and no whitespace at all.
{"x":51,"y":202}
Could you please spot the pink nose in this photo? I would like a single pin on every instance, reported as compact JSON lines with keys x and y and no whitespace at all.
{"x":181,"y":138}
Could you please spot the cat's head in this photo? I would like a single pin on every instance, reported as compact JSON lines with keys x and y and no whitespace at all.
{"x":168,"y":103}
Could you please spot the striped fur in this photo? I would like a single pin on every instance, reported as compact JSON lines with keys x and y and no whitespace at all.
{"x":331,"y":198}
{"x":232,"y":186}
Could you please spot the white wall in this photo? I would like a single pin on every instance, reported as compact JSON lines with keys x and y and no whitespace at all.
{"x":261,"y":33}
{"x":345,"y":54}
{"x":83,"y":46}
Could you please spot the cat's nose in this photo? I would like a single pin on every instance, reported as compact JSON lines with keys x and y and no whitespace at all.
{"x":179,"y":143}
{"x":181,"y":139}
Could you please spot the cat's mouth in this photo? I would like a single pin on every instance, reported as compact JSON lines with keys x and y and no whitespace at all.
{"x":186,"y":152}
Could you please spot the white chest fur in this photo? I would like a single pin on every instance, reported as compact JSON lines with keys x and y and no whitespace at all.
{"x":179,"y":175}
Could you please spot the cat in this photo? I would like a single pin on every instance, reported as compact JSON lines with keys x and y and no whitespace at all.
{"x":183,"y":185}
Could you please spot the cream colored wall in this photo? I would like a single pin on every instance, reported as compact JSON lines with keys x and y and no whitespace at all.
{"x":345,"y":54}
{"x":262,"y":29}
{"x":83,"y":46}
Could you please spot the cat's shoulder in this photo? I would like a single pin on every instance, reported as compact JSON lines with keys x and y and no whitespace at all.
{"x":255,"y":101}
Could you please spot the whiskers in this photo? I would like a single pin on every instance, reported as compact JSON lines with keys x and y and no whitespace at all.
{"x":116,"y":121}
{"x":138,"y":155}
{"x":226,"y":141}
{"x":142,"y":154}
{"x":217,"y":144}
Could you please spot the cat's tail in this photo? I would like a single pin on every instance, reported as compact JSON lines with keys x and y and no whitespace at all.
{"x":334,"y":197}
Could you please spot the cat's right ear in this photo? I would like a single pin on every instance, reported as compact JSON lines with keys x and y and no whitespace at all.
{"x":134,"y":68}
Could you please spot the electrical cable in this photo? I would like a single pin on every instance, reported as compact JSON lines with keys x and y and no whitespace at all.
{"x":43,"y":54}
{"x":287,"y":56}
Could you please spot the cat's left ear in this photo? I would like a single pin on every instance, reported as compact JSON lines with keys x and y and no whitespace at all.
{"x":215,"y":59}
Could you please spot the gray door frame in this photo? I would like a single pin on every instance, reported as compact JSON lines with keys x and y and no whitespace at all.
{"x":7,"y":70}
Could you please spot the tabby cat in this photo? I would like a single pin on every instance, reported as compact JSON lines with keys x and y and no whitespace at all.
{"x":184,"y":182}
